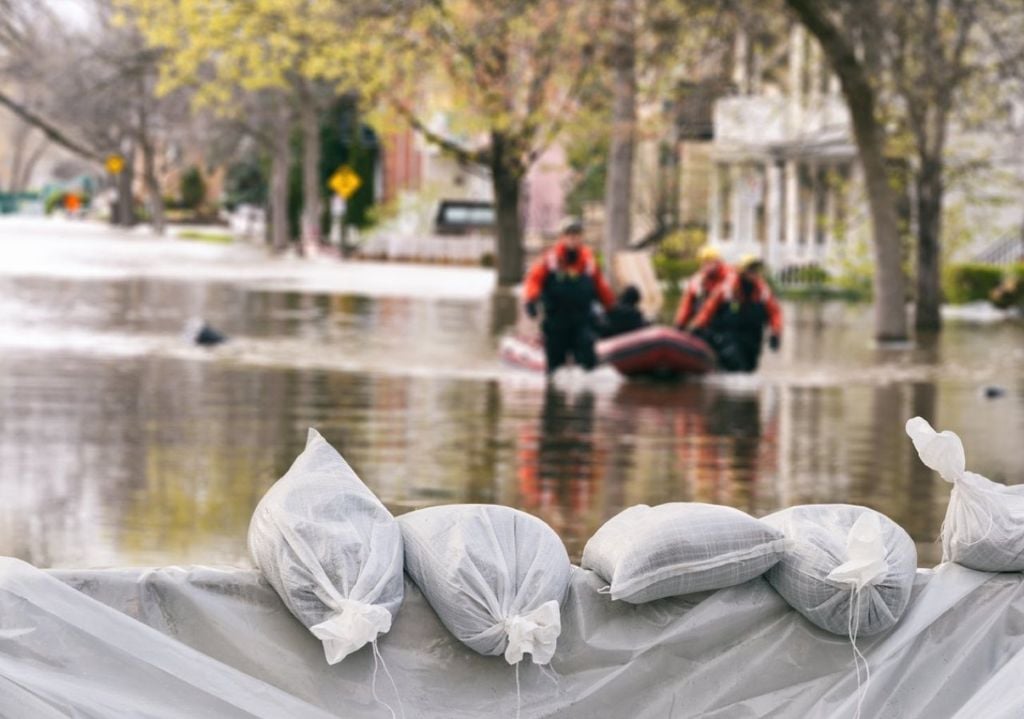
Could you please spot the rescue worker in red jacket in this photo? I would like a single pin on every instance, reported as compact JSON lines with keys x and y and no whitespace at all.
{"x":733,"y":318}
{"x":712,"y":273}
{"x":567,"y":282}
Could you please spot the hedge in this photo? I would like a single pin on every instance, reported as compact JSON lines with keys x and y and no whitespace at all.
{"x":970,"y":282}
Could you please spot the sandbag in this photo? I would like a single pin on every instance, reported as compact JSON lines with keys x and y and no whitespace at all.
{"x":984,"y":524}
{"x":495,"y":576}
{"x":848,"y":569}
{"x":330,"y":550}
{"x":646,"y":553}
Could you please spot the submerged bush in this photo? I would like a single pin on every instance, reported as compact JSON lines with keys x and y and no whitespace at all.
{"x":970,"y":281}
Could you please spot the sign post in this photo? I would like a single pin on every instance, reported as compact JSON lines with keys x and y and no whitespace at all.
{"x":344,"y":182}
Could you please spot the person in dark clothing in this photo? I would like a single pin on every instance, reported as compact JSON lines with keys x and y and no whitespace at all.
{"x":735,"y":315}
{"x":567,"y":282}
{"x":200,"y":332}
{"x":625,"y":316}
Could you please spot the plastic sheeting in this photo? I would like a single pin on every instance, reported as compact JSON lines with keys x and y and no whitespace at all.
{"x":209,"y":642}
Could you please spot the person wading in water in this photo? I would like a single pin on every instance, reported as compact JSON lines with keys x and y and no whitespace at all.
{"x":567,"y":283}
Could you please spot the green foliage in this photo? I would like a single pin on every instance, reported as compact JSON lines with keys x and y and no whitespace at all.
{"x":588,"y":157}
{"x":346,"y":141}
{"x":808,"y":275}
{"x":970,"y":281}
{"x":246,"y":183}
{"x":218,"y":238}
{"x":54,"y":201}
{"x":675,"y":259}
{"x":192,"y":188}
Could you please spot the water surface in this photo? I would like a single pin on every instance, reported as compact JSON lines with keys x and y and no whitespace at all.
{"x":121,"y":444}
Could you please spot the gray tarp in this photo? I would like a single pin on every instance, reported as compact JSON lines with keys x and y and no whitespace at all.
{"x":201,"y":642}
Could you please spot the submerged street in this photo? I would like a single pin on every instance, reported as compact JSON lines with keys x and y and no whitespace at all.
{"x":123,"y":444}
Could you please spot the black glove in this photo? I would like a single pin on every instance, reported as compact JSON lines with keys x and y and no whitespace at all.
{"x":774,"y":341}
{"x":531,"y":309}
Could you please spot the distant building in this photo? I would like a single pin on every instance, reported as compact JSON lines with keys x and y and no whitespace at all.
{"x":765,"y":161}
{"x":418,"y":175}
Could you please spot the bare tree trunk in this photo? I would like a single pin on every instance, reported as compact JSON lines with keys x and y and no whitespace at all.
{"x":889,"y":284}
{"x":619,"y":182}
{"x":125,"y":180}
{"x":507,"y":174}
{"x":149,"y":180}
{"x":280,"y":163}
{"x":311,"y":206}
{"x":29,"y":165}
{"x":19,"y":141}
{"x":153,"y":196}
{"x":930,"y":190}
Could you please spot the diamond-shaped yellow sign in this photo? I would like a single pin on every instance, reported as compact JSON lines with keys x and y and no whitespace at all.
{"x":345,"y":181}
{"x":114,"y":164}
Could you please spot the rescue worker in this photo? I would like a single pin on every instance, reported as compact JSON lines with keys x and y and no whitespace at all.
{"x":733,"y":318}
{"x":567,"y":282}
{"x":712,"y":273}
{"x":625,"y":316}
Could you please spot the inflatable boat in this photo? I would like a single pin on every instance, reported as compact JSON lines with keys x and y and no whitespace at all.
{"x":652,"y":351}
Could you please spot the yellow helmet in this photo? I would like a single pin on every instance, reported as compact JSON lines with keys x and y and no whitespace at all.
{"x":708,"y":253}
{"x":749,"y":260}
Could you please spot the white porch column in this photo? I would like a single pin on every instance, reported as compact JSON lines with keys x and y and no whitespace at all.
{"x":715,"y":204}
{"x":830,"y":210}
{"x":791,"y":219}
{"x":774,"y":213}
{"x":809,"y":213}
{"x":735,"y":201}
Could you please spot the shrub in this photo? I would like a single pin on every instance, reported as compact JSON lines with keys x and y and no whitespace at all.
{"x":193,"y":188}
{"x":970,"y":282}
{"x":675,"y":258}
{"x":54,"y":201}
{"x":673,"y":270}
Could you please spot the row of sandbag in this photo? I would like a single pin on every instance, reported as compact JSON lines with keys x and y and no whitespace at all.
{"x":496,"y":576}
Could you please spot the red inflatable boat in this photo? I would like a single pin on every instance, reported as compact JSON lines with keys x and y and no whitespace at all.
{"x":653,"y":351}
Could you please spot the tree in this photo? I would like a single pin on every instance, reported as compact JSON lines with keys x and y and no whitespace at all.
{"x":941,"y":55}
{"x":92,"y":91}
{"x":25,"y":28}
{"x":619,"y":183}
{"x":649,"y":47}
{"x":925,"y":64}
{"x":511,"y":70}
{"x":284,"y":56}
{"x":859,"y":91}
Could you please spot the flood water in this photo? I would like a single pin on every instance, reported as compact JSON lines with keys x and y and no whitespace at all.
{"x":120,"y":444}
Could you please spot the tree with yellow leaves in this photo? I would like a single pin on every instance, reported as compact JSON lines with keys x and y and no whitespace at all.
{"x":266,"y":64}
{"x":508,"y":73}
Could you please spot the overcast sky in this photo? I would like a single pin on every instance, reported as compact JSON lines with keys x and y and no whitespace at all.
{"x":72,"y":12}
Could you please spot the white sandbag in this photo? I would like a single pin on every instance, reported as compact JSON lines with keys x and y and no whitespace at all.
{"x":330,"y":549}
{"x":495,"y":576}
{"x":984,"y":524}
{"x":647,"y":553}
{"x":848,"y":569}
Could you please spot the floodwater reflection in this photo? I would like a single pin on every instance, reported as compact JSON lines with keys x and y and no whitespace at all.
{"x":120,"y":446}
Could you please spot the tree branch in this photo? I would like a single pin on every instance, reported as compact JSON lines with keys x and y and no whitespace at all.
{"x":48,"y":129}
{"x":480,"y":156}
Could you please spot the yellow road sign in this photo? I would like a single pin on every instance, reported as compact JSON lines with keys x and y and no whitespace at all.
{"x":114,"y":164}
{"x":345,"y":181}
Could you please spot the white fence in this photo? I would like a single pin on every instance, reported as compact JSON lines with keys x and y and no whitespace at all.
{"x":457,"y":249}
